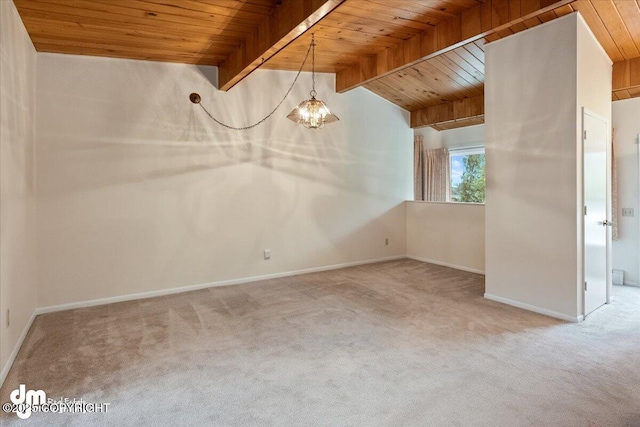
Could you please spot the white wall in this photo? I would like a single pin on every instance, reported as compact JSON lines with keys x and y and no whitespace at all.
{"x":17,"y":182}
{"x":138,"y":191}
{"x":452,"y":138}
{"x":626,"y":121}
{"x":532,"y":155}
{"x":450,"y":234}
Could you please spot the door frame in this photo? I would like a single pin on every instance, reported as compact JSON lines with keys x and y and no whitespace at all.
{"x":587,"y":112}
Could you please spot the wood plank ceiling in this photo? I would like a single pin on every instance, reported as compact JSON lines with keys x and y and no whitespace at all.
{"x":459,"y":74}
{"x":186,"y":31}
{"x":426,"y":56}
{"x":360,"y":28}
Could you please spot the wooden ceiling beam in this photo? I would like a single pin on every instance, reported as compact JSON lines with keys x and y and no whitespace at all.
{"x":290,"y":20}
{"x":470,"y":25}
{"x":471,"y":121}
{"x":457,"y":111}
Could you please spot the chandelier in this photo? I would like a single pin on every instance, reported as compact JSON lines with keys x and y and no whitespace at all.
{"x":312,"y":113}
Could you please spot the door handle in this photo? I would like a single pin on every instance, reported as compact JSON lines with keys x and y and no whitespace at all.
{"x":607,"y":223}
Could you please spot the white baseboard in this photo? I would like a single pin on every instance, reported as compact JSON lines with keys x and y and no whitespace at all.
{"x":170,"y":291}
{"x":632,"y":284}
{"x":535,"y":309}
{"x":16,"y":349}
{"x":446,"y":264}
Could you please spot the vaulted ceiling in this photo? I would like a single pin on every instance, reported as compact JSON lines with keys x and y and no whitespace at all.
{"x":426,"y":56}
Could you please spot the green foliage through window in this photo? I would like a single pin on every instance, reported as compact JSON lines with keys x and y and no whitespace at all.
{"x":468,"y":178}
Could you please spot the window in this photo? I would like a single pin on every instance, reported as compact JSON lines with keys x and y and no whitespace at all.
{"x":467,"y":175}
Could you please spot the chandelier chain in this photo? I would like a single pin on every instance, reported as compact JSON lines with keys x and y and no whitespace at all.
{"x":313,"y":66}
{"x":311,"y":47}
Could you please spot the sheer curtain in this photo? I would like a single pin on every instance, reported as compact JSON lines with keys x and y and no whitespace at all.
{"x":437,"y":171}
{"x":418,"y":167}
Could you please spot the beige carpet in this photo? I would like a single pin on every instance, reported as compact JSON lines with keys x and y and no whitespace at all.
{"x":400,"y":343}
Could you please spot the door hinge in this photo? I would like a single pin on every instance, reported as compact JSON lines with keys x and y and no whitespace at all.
{"x":584,"y":134}
{"x":585,"y":286}
{"x":585,"y":211}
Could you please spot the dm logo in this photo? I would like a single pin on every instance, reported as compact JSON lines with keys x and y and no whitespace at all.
{"x":25,"y":400}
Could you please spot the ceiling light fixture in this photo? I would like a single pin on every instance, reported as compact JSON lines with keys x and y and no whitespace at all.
{"x":312,"y":113}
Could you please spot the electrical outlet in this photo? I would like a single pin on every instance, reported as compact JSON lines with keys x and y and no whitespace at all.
{"x":627,"y":211}
{"x":267,"y":254}
{"x":8,"y":318}
{"x":386,"y":242}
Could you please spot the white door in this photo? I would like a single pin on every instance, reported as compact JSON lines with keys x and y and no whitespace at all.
{"x":595,"y":133}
